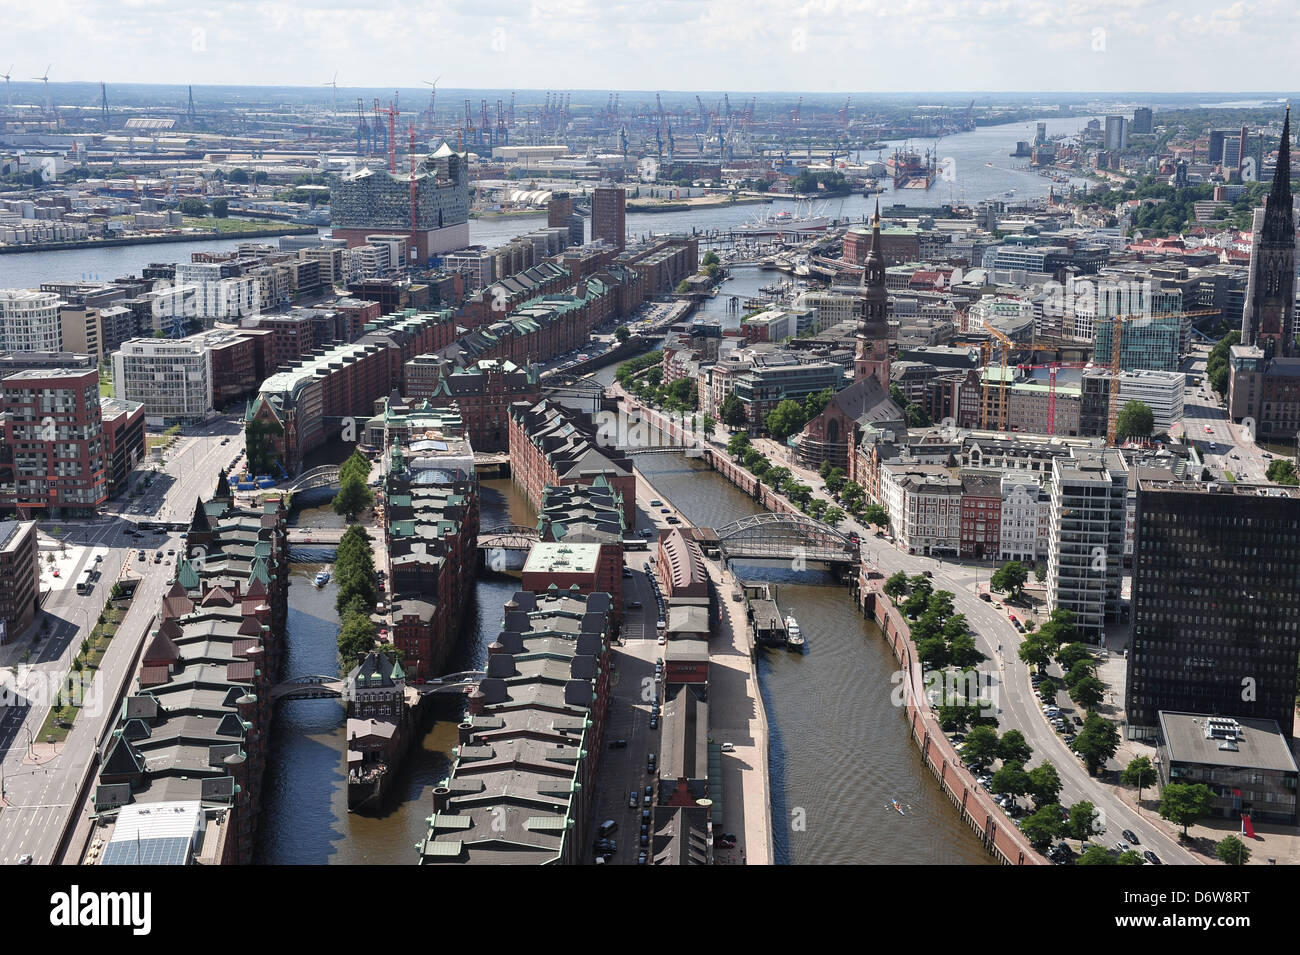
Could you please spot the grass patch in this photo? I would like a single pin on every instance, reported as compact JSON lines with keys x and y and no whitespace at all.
{"x":60,"y":719}
{"x":211,"y":223}
{"x":1230,"y":476}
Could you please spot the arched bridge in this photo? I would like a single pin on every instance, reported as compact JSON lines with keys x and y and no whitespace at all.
{"x":507,"y":537}
{"x":316,"y":477}
{"x":785,"y":537}
{"x":314,"y":686}
{"x":451,"y":682}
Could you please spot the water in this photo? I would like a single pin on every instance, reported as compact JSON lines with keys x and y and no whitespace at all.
{"x":973,"y":180}
{"x":840,"y":750}
{"x":305,"y":818}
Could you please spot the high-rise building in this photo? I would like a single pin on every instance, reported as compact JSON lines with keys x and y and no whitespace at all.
{"x":1216,"y":612}
{"x":1086,"y":549}
{"x":29,"y":321}
{"x":1231,"y":152}
{"x":1142,"y":119}
{"x":1214,"y":155}
{"x":1116,"y":133}
{"x":19,"y":578}
{"x":609,"y":215}
{"x":558,"y":210}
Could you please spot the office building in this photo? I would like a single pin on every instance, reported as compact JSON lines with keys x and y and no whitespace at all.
{"x":1216,"y":611}
{"x":1086,"y":549}
{"x":1116,"y":133}
{"x":172,"y":379}
{"x":1247,"y":763}
{"x":1142,"y":120}
{"x":20,"y":575}
{"x":609,"y":215}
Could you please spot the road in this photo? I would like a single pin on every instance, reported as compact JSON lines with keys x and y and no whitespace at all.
{"x":1228,"y":445}
{"x":40,"y":795}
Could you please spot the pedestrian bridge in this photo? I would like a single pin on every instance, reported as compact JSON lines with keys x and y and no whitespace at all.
{"x":314,"y":686}
{"x":316,"y":477}
{"x":507,"y":537}
{"x":785,"y":537}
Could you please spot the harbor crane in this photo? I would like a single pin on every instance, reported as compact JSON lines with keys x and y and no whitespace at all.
{"x":433,"y":98}
{"x":334,"y":83}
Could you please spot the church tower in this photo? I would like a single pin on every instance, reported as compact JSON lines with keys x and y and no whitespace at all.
{"x":872,"y":358}
{"x":1268,"y":320}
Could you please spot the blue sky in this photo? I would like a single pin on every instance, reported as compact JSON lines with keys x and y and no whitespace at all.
{"x":740,"y":45}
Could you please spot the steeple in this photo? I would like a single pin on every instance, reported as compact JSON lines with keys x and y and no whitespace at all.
{"x":1268,"y":318}
{"x":872,"y":358}
{"x":1281,"y":191}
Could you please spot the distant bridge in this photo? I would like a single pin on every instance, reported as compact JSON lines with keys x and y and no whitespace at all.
{"x":508,"y":537}
{"x":315,"y":686}
{"x":785,"y":537}
{"x":316,"y":477}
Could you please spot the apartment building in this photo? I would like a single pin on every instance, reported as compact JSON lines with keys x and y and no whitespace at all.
{"x":29,"y":321}
{"x":171,"y":378}
{"x":1086,"y":548}
{"x":19,"y":578}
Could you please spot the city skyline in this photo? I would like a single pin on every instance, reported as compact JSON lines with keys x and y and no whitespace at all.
{"x":1104,"y":46}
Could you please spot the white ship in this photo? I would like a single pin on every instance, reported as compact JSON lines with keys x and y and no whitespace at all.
{"x":802,"y":220}
{"x":793,"y":635}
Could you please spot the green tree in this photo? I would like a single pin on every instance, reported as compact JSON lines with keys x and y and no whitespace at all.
{"x":1282,"y":471}
{"x":1135,"y":420}
{"x":1045,"y":786}
{"x":220,"y":208}
{"x":1232,"y":851}
{"x":933,"y":653}
{"x":1080,"y":671}
{"x":1130,"y":857}
{"x":833,"y":516}
{"x":1184,"y":803}
{"x":816,"y":403}
{"x":238,"y":176}
{"x":352,"y":498}
{"x":1012,"y":747}
{"x":1096,"y":742}
{"x":733,"y":411}
{"x":1040,"y":572}
{"x":981,"y":746}
{"x":1071,"y":654}
{"x":621,"y":334}
{"x":1095,"y":855}
{"x":683,"y":287}
{"x":1088,"y":693}
{"x":193,"y":207}
{"x":1011,"y":779}
{"x":876,"y":515}
{"x":738,"y":441}
{"x":356,"y":639}
{"x":1041,"y":827}
{"x":1084,"y":820}
{"x":965,"y":654}
{"x":1035,"y":651}
{"x":785,"y":419}
{"x":261,"y":452}
{"x":1010,"y":578}
{"x":895,"y":586}
{"x":1140,"y":773}
{"x":710,"y":258}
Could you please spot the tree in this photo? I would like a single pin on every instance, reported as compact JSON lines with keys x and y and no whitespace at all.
{"x":1096,"y":742}
{"x":193,"y":207}
{"x":1012,"y":747}
{"x":733,"y":411}
{"x":965,"y":654}
{"x":876,"y":515}
{"x":710,"y":258}
{"x":1040,"y":573}
{"x":1071,"y":654}
{"x":785,"y":419}
{"x":621,"y":334}
{"x":352,"y":498}
{"x":220,"y":208}
{"x":257,"y":445}
{"x":981,"y":746}
{"x":1096,"y":855}
{"x":356,"y":639}
{"x":1135,"y":420}
{"x":1011,"y":779}
{"x":710,"y":426}
{"x":1080,"y":671}
{"x":1045,"y":785}
{"x":683,"y":287}
{"x":1281,"y":471}
{"x":816,"y":403}
{"x":833,"y":516}
{"x":1130,"y":857}
{"x":1140,"y":773}
{"x":738,"y":442}
{"x":1010,"y":578}
{"x":895,"y":586}
{"x":933,"y":653}
{"x":1043,"y":826}
{"x":238,"y":176}
{"x":1232,"y":851}
{"x":834,"y":479}
{"x":1184,"y":803}
{"x":1083,"y":822}
{"x":1035,"y":651}
{"x":1088,"y":693}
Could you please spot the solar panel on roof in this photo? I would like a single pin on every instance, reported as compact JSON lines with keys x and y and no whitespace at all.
{"x":164,"y":851}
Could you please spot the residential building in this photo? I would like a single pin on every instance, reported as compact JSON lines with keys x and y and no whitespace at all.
{"x":29,"y":321}
{"x":20,"y":575}
{"x":172,"y":379}
{"x":1085,"y":558}
{"x":124,"y":443}
{"x":609,"y":215}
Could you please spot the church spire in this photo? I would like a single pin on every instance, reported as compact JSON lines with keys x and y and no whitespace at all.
{"x":1281,"y":191}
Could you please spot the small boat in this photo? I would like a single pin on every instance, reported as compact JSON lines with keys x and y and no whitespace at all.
{"x":896,"y":805}
{"x":322,"y":578}
{"x":793,"y":635}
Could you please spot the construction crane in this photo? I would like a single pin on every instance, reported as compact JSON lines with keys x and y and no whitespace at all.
{"x":433,"y":98}
{"x":103,"y":104}
{"x":392,"y":137}
{"x":1006,"y":346}
{"x":334,"y":83}
{"x":703,"y":117}
{"x":364,"y":132}
{"x":415,"y":237}
{"x":622,"y":141}
{"x":469,"y":122}
{"x":8,"y":99}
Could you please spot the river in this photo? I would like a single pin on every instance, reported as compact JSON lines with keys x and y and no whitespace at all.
{"x":972,"y":179}
{"x":840,"y":751}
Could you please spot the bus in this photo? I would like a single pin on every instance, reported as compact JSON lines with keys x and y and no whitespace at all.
{"x":86,"y":582}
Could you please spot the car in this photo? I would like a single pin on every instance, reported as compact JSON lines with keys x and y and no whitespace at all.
{"x":139,"y":555}
{"x":608,"y":826}
{"x":618,"y":744}
{"x":662,"y":640}
{"x":645,"y":840}
{"x":646,"y":797}
{"x":1151,"y":857}
{"x":1122,"y":847}
{"x":986,"y":598}
{"x":642,"y":857}
{"x":1131,"y":837}
{"x":171,"y":552}
{"x":645,"y":815}
{"x":25,"y":859}
{"x":1078,"y":721}
{"x":672,"y":519}
{"x":1209,"y":430}
{"x":1267,"y":455}
{"x":56,"y":572}
{"x":927,"y":573}
{"x":728,"y":747}
{"x":647,"y":532}
{"x":632,"y":799}
{"x":654,"y":722}
{"x":634,"y":605}
{"x":656,"y":503}
{"x":627,"y":573}
{"x":650,"y":763}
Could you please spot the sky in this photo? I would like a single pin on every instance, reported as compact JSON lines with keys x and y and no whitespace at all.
{"x":739,"y":45}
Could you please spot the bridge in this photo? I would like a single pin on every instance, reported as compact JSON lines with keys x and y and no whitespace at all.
{"x":507,"y":537}
{"x":451,"y":682}
{"x":319,"y":535}
{"x":785,"y":537}
{"x":315,"y":686}
{"x":316,"y":477}
{"x":690,"y":450}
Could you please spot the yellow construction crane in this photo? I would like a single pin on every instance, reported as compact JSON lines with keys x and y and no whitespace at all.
{"x":1007,"y":346}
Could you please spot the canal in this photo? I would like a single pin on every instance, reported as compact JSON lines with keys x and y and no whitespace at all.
{"x":840,"y":752}
{"x":305,"y":818}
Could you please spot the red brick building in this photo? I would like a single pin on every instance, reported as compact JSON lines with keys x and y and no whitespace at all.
{"x":981,"y":517}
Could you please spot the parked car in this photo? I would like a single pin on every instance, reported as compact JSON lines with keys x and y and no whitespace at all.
{"x":642,"y":857}
{"x":986,"y":598}
{"x":728,"y":747}
{"x":1122,"y":847}
{"x":650,"y":763}
{"x":608,"y":826}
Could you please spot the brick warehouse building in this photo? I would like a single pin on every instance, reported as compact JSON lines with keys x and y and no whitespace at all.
{"x":53,"y":457}
{"x":554,"y":445}
{"x":482,"y":392}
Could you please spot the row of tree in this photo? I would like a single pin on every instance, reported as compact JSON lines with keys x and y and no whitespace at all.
{"x":354,"y":574}
{"x":354,"y":494}
{"x":781,"y":480}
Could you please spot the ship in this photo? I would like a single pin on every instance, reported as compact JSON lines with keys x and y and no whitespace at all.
{"x":872,"y":188}
{"x":786,"y":223}
{"x":793,"y":635}
{"x":911,"y":170}
{"x":322,"y":578}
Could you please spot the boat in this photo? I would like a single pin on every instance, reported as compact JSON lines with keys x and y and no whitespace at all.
{"x":911,"y":170}
{"x":322,"y":578}
{"x":787,"y":223}
{"x":872,"y":188}
{"x":793,"y":635}
{"x":896,"y":805}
